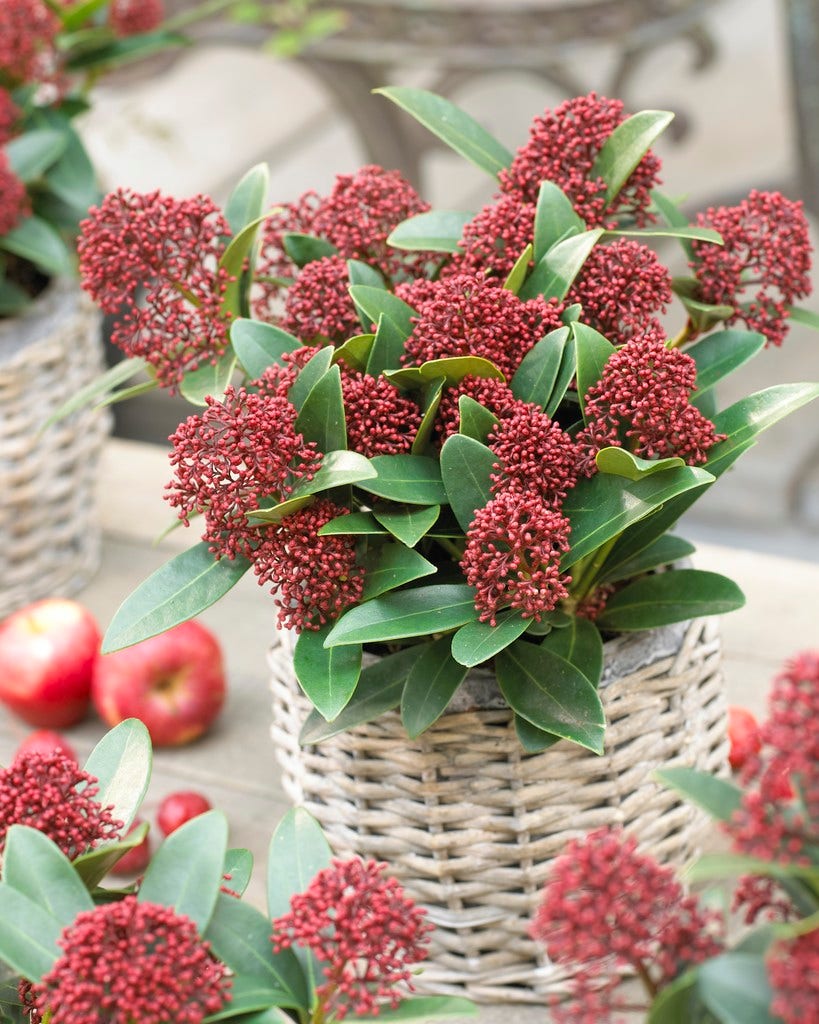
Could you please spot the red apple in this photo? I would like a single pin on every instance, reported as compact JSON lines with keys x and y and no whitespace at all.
{"x":45,"y":741}
{"x":743,"y":736}
{"x":136,"y":860}
{"x":47,"y":654}
{"x":177,"y":808}
{"x":173,"y":682}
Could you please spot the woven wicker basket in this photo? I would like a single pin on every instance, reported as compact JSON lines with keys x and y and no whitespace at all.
{"x":469,"y":823}
{"x":49,"y":531}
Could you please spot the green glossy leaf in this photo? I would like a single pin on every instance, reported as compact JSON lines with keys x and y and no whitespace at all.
{"x":186,"y":871}
{"x":247,"y":201}
{"x":237,"y":869}
{"x":719,"y":866}
{"x":746,"y":419}
{"x":179,"y":590}
{"x":13,"y":300}
{"x":93,"y":866}
{"x":406,"y":613}
{"x":28,"y":935}
{"x":387,"y":347}
{"x":379,"y":689}
{"x":238,"y":252}
{"x":123,"y":51}
{"x":735,"y":987}
{"x":673,"y":217}
{"x":211,"y":379}
{"x":258,"y":345}
{"x":309,"y":375}
{"x":535,"y":377}
{"x":101,"y":385}
{"x":807,"y":317}
{"x":74,"y":16}
{"x":322,"y":417}
{"x":593,"y":352}
{"x":555,"y":219}
{"x":125,"y":393}
{"x":436,"y":231}
{"x":33,"y":152}
{"x":72,"y":177}
{"x":430,"y":686}
{"x":721,"y":353}
{"x":35,"y":866}
{"x":240,"y":937}
{"x":298,"y":851}
{"x":280,"y":511}
{"x":250,"y":999}
{"x":408,"y":524}
{"x":718,"y":797}
{"x":121,"y":762}
{"x":677,"y":1002}
{"x":581,"y":645}
{"x":452,"y":126}
{"x":36,"y":240}
{"x":421,"y":1008}
{"x":551,"y":693}
{"x":516,"y":276}
{"x":327,"y":675}
{"x":476,"y":421}
{"x":687,"y":231}
{"x":377,"y":302}
{"x":452,"y":369}
{"x":337,"y":469}
{"x":466,"y":466}
{"x":361,"y":523}
{"x":303,"y":249}
{"x":621,"y":462}
{"x":668,"y":597}
{"x":355,"y":351}
{"x":432,"y":402}
{"x":666,"y":550}
{"x":554,"y":275}
{"x":703,"y":315}
{"x":626,"y":146}
{"x":565,"y":375}
{"x":477,"y":642}
{"x":532,"y":739}
{"x":362,"y":273}
{"x":414,"y":479}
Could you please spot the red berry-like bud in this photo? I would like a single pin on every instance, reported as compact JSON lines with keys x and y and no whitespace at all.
{"x":743,"y":736}
{"x":134,"y":861}
{"x":177,"y":808}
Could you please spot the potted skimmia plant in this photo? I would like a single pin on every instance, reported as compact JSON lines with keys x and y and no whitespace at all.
{"x":455,"y":446}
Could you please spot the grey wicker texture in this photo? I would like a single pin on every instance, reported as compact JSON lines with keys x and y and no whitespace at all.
{"x":469,"y":823}
{"x":49,"y":528}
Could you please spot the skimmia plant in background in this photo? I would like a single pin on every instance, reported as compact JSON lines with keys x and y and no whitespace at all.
{"x":180,"y":946}
{"x":443,"y":438}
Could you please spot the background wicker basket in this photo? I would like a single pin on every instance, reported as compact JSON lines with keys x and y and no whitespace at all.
{"x":469,"y":822}
{"x":49,"y":530}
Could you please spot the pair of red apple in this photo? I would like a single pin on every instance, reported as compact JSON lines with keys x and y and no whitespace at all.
{"x":51,"y":669}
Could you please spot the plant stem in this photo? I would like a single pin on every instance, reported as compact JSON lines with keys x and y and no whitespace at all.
{"x":645,"y":978}
{"x":683,"y":336}
{"x":585,"y":580}
{"x":450,"y":547}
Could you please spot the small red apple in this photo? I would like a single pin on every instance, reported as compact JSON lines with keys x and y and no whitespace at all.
{"x":177,"y":808}
{"x":173,"y":682}
{"x":743,"y":736}
{"x":47,"y":654}
{"x":45,"y":741}
{"x":134,"y":861}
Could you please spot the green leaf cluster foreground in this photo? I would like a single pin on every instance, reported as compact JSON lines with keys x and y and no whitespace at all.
{"x":196,"y":874}
{"x":410,"y":515}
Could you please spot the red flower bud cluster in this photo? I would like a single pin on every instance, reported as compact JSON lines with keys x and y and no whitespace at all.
{"x":495,"y":395}
{"x":493,"y":240}
{"x":318,"y":307}
{"x":132,"y":17}
{"x":534,"y":454}
{"x":9,"y":115}
{"x":793,"y":971}
{"x":380,"y":420}
{"x":50,"y":793}
{"x":14,"y":201}
{"x":366,"y":932}
{"x":27,"y":31}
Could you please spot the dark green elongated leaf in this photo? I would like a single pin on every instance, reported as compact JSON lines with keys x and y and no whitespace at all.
{"x":72,"y":178}
{"x":94,"y":865}
{"x":246,"y":202}
{"x":673,"y":216}
{"x":466,"y":466}
{"x":77,"y":14}
{"x":735,"y":987}
{"x":714,"y":866}
{"x":414,"y":479}
{"x":551,"y":693}
{"x":258,"y":345}
{"x":125,"y":393}
{"x":249,"y":999}
{"x":535,"y":377}
{"x":477,"y":421}
{"x":35,"y":866}
{"x":554,"y":275}
{"x":186,"y":871}
{"x":408,"y":524}
{"x":432,"y":402}
{"x":565,"y":375}
{"x":478,"y":641}
{"x":240,"y":937}
{"x":668,"y":597}
{"x":379,"y":689}
{"x":122,"y":51}
{"x":337,"y":469}
{"x":237,"y":869}
{"x":322,"y":416}
{"x":555,"y":219}
{"x":593,"y":352}
{"x":303,"y":249}
{"x":804,"y":316}
{"x":387,"y":347}
{"x":377,"y":302}
{"x":276,"y":513}
{"x":723,"y":352}
{"x":121,"y":762}
{"x":717,"y":796}
{"x":101,"y":385}
{"x":179,"y":590}
{"x":666,"y":550}
{"x":361,"y":523}
{"x":532,"y":739}
{"x":677,"y":1002}
{"x":36,"y":240}
{"x":621,"y":462}
{"x":239,"y":251}
{"x":604,"y":506}
{"x":209,"y":379}
{"x":28,"y":934}
{"x":688,"y":231}
{"x":328,"y":676}
{"x":430,"y":686}
{"x":355,"y":351}
{"x":422,"y":1008}
{"x":452,"y":126}
{"x":309,"y":375}
{"x":748,"y":417}
{"x":436,"y":231}
{"x":515,"y":277}
{"x":406,"y":613}
{"x":452,"y":369}
{"x":581,"y":645}
{"x":626,"y":147}
{"x":33,"y":152}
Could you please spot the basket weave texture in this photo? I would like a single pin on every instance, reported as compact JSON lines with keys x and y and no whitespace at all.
{"x":469,"y":823}
{"x":49,"y":528}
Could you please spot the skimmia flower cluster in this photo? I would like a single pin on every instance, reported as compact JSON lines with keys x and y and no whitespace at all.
{"x":438,"y":426}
